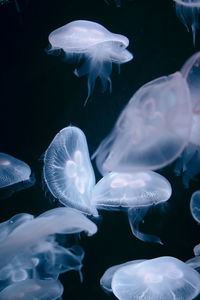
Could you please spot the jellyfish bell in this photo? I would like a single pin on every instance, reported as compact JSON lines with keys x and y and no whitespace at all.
{"x":94,"y":47}
{"x":188,"y":12}
{"x":15,"y":175}
{"x":135,"y":192}
{"x":155,"y":127}
{"x":195,"y":206}
{"x":159,"y":278}
{"x":68,"y":172}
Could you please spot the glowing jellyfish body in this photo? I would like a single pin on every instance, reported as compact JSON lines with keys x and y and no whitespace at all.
{"x":136,"y":192}
{"x":188,"y":12}
{"x":160,"y":278}
{"x":68,"y":172}
{"x":14,"y":171}
{"x":155,"y":127}
{"x":32,"y":289}
{"x":94,"y":47}
{"x":195,"y":206}
{"x":189,"y":162}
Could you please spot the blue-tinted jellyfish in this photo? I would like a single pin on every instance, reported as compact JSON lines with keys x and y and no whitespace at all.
{"x":188,"y":12}
{"x":15,"y":175}
{"x":189,"y":162}
{"x":135,"y":192}
{"x":94,"y":48}
{"x":160,"y":278}
{"x":68,"y":172}
{"x":155,"y":127}
{"x":32,"y":289}
{"x":195,"y":206}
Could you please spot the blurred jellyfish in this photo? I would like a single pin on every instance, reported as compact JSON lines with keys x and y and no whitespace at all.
{"x":68,"y":172}
{"x":94,"y":48}
{"x":15,"y":175}
{"x":188,"y":12}
{"x":195,"y":206}
{"x":159,"y":278}
{"x":32,"y":289}
{"x":189,"y":162}
{"x":135,"y":192}
{"x":155,"y":127}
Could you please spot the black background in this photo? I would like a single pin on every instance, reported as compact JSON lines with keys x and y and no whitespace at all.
{"x":40,"y":95}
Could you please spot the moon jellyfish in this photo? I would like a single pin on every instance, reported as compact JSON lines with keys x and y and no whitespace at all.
{"x":195,"y":206}
{"x":155,"y":127}
{"x":135,"y":192}
{"x":32,"y":289}
{"x":68,"y":172}
{"x":15,"y":175}
{"x":189,"y":162}
{"x":95,"y":49}
{"x":188,"y":12}
{"x":106,"y":279}
{"x":159,"y":278}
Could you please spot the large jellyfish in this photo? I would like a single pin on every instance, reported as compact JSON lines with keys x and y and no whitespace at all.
{"x":189,"y":162}
{"x":135,"y":192}
{"x":155,"y":127}
{"x":159,"y":278}
{"x":188,"y":12}
{"x":14,"y":175}
{"x":68,"y":172}
{"x":195,"y":206}
{"x":94,"y":48}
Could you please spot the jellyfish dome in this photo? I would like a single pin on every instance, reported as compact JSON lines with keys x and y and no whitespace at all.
{"x":195,"y":206}
{"x":188,"y":12}
{"x":94,"y":47}
{"x":159,"y":278}
{"x":155,"y":127}
{"x":68,"y":172}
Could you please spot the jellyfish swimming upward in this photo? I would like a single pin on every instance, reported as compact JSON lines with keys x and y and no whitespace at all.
{"x":94,"y":48}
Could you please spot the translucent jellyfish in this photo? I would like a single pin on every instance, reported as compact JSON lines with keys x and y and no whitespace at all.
{"x":189,"y":162}
{"x":188,"y":12}
{"x":68,"y":172}
{"x":195,"y":206}
{"x":194,"y":263}
{"x":94,"y":48}
{"x":160,"y":278}
{"x":15,"y":175}
{"x":32,"y":289}
{"x":135,"y":192}
{"x":155,"y":127}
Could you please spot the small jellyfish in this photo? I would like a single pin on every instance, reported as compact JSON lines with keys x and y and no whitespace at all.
{"x":94,"y":47}
{"x":135,"y":192}
{"x":15,"y":175}
{"x":32,"y":289}
{"x":155,"y":279}
{"x":188,"y":12}
{"x":155,"y":127}
{"x":68,"y":172}
{"x":189,"y":162}
{"x":195,"y":206}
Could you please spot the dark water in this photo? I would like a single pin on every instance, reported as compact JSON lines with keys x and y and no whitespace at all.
{"x":40,"y":95}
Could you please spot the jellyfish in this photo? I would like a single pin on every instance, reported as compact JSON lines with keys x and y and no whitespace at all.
{"x":15,"y":175}
{"x":195,"y":206}
{"x":188,"y":12}
{"x":31,"y":289}
{"x":189,"y":162}
{"x":155,"y":127}
{"x":159,"y":278}
{"x":94,"y":48}
{"x":134,"y":192}
{"x":68,"y":172}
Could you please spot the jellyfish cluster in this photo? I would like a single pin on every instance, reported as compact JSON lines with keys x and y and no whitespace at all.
{"x":158,"y":127}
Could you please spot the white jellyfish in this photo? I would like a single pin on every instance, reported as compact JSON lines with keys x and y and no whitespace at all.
{"x":189,"y":162}
{"x":68,"y":172}
{"x":195,"y":206}
{"x":188,"y":12}
{"x":15,"y":175}
{"x":159,"y":278}
{"x":135,"y":192}
{"x":155,"y":127}
{"x":94,"y":48}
